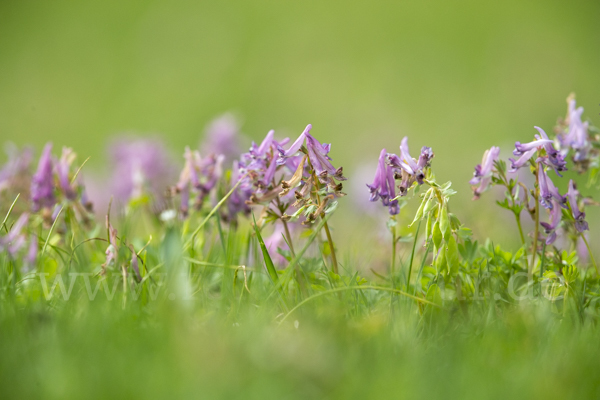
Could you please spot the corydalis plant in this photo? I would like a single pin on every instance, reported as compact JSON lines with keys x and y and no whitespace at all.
{"x":197,"y":179}
{"x":541,"y":156}
{"x":317,"y":180}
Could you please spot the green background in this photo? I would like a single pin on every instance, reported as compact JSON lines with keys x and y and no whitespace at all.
{"x":458,"y":76}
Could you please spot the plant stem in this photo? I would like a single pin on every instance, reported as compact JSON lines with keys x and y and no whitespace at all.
{"x":587,"y":245}
{"x":289,"y":237}
{"x":518,"y":218}
{"x":412,"y":256}
{"x":334,"y":266}
{"x":393,"y":263}
{"x":537,"y":221}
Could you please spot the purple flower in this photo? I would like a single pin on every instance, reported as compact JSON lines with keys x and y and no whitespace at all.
{"x":577,"y":135}
{"x":383,"y":186}
{"x":222,"y":137}
{"x":414,"y":170}
{"x":483,"y":172}
{"x":553,"y":158}
{"x":198,"y":177}
{"x":140,"y":167}
{"x":317,"y":155}
{"x":527,"y":150}
{"x":112,"y":249}
{"x":16,"y":169}
{"x":555,"y":218}
{"x":548,"y":191}
{"x":579,"y":216}
{"x":42,"y":182}
{"x":14,"y":239}
{"x":521,"y":161}
{"x":62,"y":171}
{"x":32,"y":252}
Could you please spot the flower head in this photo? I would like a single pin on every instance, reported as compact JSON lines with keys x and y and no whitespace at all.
{"x":548,"y":191}
{"x":483,"y":172}
{"x":222,"y":137}
{"x":579,"y":215}
{"x":383,"y":186}
{"x":42,"y":182}
{"x":15,"y":173}
{"x":14,"y":240}
{"x":407,"y":168}
{"x":198,"y":178}
{"x":555,"y":218}
{"x":62,"y":171}
{"x":576,"y":137}
{"x":140,"y":167}
{"x":553,"y":158}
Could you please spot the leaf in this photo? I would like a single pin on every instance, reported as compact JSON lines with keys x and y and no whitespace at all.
{"x":452,"y":255}
{"x":267,"y":258}
{"x":437,"y":235}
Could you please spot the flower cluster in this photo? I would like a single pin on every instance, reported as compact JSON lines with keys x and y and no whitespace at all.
{"x":541,"y":155}
{"x":392,"y":167}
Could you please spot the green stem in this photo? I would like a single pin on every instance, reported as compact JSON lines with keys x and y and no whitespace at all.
{"x":341,"y":289}
{"x":333,"y":257}
{"x":537,"y":221}
{"x":393,"y":263}
{"x":587,"y":245}
{"x":412,"y":256}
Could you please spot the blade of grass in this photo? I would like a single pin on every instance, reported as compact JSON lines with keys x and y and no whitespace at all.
{"x":9,"y":212}
{"x":341,"y":289}
{"x":51,"y":230}
{"x":211,"y":213}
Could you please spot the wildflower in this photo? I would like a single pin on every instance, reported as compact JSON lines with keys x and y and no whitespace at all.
{"x":14,"y":240}
{"x":62,"y":171}
{"x":15,"y":172}
{"x":548,"y":191}
{"x":317,"y":155}
{"x":521,"y":161}
{"x":555,"y":218}
{"x":135,"y":265}
{"x":483,"y":172}
{"x":140,"y":167}
{"x":527,"y":150}
{"x":112,"y":249}
{"x":32,"y":252}
{"x":576,"y":136}
{"x":579,"y":215}
{"x":222,"y":137}
{"x":553,"y":158}
{"x":198,"y":177}
{"x":42,"y":182}
{"x":383,"y":186}
{"x":407,"y":168}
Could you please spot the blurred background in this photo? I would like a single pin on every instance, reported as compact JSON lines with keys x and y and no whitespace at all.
{"x":458,"y":76}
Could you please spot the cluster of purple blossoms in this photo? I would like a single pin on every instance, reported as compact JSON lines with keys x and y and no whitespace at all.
{"x":310,"y":160}
{"x":547,"y":158}
{"x":54,"y":177}
{"x":255,"y":172}
{"x":552,"y":157}
{"x":384,"y":185}
{"x":391,"y":167}
{"x":198,"y":178}
{"x":14,"y":240}
{"x":484,"y":171}
{"x":140,"y":167}
{"x":222,"y":137}
{"x":576,"y":135}
{"x":15,"y":174}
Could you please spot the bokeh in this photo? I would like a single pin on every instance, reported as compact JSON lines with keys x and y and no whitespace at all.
{"x":458,"y":76}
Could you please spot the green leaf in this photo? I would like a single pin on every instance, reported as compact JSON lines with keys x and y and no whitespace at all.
{"x":268,"y":261}
{"x":452,"y":255}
